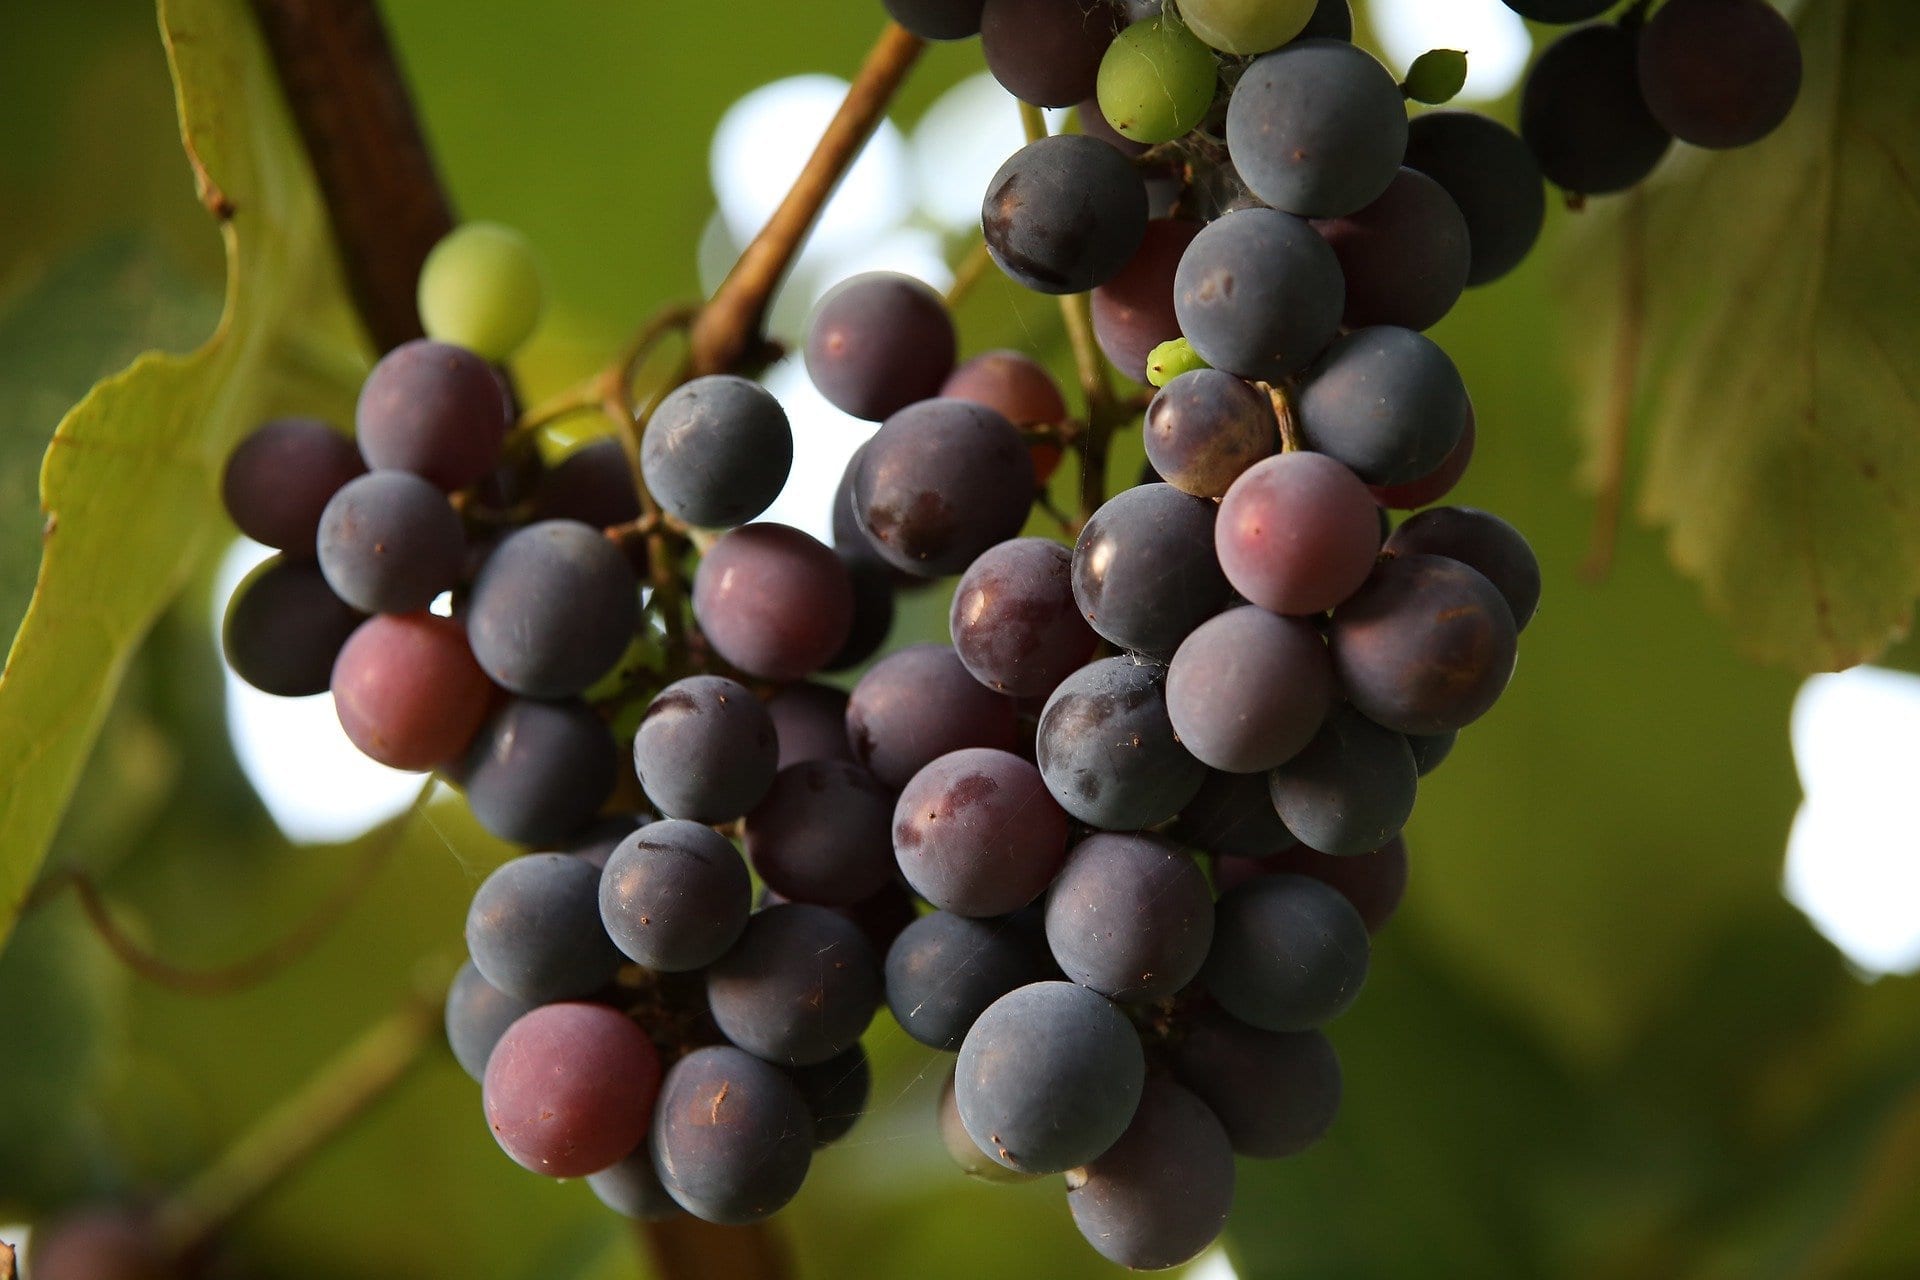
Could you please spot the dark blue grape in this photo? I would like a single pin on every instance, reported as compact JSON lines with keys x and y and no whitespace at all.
{"x":732,"y":1138}
{"x":1248,"y":689}
{"x":477,"y":1015}
{"x":1385,"y":401}
{"x":632,"y":1189}
{"x":552,"y":611}
{"x":1427,"y":645}
{"x":1430,"y":749}
{"x":280,"y":477}
{"x":1049,"y":1077}
{"x":944,"y":970}
{"x":1144,"y":571}
{"x":836,"y":1092}
{"x":675,"y":896}
{"x":1259,"y":293}
{"x":705,"y":750}
{"x":433,"y":409}
{"x":593,"y":484}
{"x":937,"y":19}
{"x":873,"y":609}
{"x":1289,"y":953}
{"x":389,"y":542}
{"x":1161,"y":1194}
{"x":539,"y":771}
{"x":1351,"y":789}
{"x":1064,"y":214}
{"x":799,"y":987}
{"x":1130,"y":916}
{"x":1275,"y":1092}
{"x":878,"y":342}
{"x":717,"y":451}
{"x":1134,"y":311}
{"x":1317,"y":128}
{"x":284,"y":628}
{"x":534,"y":929}
{"x":1107,"y":750}
{"x":1481,"y":541}
{"x":823,"y":834}
{"x":1232,"y":817}
{"x":1583,"y":117}
{"x":596,"y":843}
{"x":1493,"y":179}
{"x":1015,"y":625}
{"x":1560,"y":11}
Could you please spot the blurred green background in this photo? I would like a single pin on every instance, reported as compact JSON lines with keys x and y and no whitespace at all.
{"x":1597,"y":1041}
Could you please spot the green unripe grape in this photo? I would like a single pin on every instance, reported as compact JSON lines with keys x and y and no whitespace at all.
{"x":1436,"y":76}
{"x":1156,"y":81}
{"x":1171,"y":359}
{"x":1247,"y":26}
{"x":480,"y":289}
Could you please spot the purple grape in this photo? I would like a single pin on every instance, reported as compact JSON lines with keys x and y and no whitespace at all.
{"x":799,"y":987}
{"x":944,"y":970}
{"x":1426,"y":646}
{"x":879,"y":342}
{"x":1405,"y":257}
{"x":1249,"y":689}
{"x":1493,"y":179}
{"x":1259,"y":293}
{"x":941,"y":482}
{"x":539,"y":771}
{"x":918,"y":704}
{"x":976,"y":834}
{"x":279,"y":479}
{"x":1014,"y":621}
{"x":772,"y":601}
{"x":284,"y":628}
{"x":1232,"y":817}
{"x":534,"y":932}
{"x":1047,"y":52}
{"x":1385,"y":401}
{"x":823,"y":834}
{"x":1064,"y":214}
{"x":717,"y":451}
{"x":810,"y":722}
{"x":1107,"y":750}
{"x":1317,"y":128}
{"x":1161,"y":1194}
{"x":1130,"y":916}
{"x":1289,"y":953}
{"x":632,"y":1189}
{"x":435,"y":410}
{"x":836,"y":1093}
{"x":1297,"y":534}
{"x":553,"y":609}
{"x":1144,"y":572}
{"x":1583,"y":117}
{"x":1351,"y":789}
{"x":1719,"y":73}
{"x":593,"y":484}
{"x":732,"y":1137}
{"x":1133,"y":312}
{"x":1206,"y":427}
{"x":1275,"y":1092}
{"x":1480,"y":541}
{"x":477,"y":1015}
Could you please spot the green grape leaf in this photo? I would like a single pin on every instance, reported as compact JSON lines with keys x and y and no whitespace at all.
{"x":128,"y":486}
{"x":1779,"y":385}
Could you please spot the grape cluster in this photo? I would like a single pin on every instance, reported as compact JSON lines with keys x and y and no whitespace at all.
{"x":1120,"y":845}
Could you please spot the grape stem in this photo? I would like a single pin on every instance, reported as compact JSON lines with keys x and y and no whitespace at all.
{"x":384,"y":198}
{"x":366,"y":1071}
{"x":1616,"y":420}
{"x":376,"y":851}
{"x":729,"y":326}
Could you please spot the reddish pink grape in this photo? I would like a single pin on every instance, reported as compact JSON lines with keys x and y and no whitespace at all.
{"x":1248,"y":689}
{"x":1297,"y":533}
{"x":408,"y":690}
{"x":1133,"y":312}
{"x":977,"y":834}
{"x":878,"y":342}
{"x":570,"y":1089}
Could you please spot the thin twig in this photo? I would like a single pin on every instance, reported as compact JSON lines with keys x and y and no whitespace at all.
{"x":377,"y":849}
{"x":300,"y":1125}
{"x":729,"y":326}
{"x":1622,"y":393}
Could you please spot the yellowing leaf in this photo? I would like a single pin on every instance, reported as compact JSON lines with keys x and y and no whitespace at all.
{"x":1782,"y":333}
{"x":130,"y":482}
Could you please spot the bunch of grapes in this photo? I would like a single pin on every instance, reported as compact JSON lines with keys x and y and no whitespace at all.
{"x":1120,"y":844}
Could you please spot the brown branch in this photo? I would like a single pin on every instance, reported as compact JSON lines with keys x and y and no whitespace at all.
{"x":730,"y":324}
{"x":255,"y":969}
{"x":1617,"y":420}
{"x":685,"y":1248}
{"x":347,"y":95}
